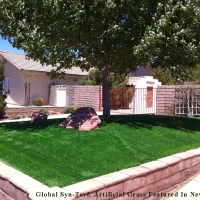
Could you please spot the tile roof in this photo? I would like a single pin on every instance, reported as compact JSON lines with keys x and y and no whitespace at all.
{"x":22,"y":63}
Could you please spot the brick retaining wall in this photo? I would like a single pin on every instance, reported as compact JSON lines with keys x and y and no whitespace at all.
{"x":146,"y":181}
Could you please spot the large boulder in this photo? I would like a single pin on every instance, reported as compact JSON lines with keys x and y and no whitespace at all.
{"x":82,"y":119}
{"x":38,"y":117}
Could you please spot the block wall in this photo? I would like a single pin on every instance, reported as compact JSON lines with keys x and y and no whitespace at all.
{"x":147,"y":181}
{"x":86,"y":96}
{"x":165,"y":100}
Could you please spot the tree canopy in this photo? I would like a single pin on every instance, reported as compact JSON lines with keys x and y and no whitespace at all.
{"x":61,"y":32}
{"x":166,"y":77}
{"x":95,"y":78}
{"x":112,"y":35}
{"x":173,"y":40}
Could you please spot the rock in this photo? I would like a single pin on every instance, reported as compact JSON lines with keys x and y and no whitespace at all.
{"x":82,"y":119}
{"x":38,"y":117}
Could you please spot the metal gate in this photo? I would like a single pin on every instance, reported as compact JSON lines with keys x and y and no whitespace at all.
{"x":143,"y":102}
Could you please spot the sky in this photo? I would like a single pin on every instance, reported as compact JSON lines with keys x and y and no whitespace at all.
{"x":6,"y":46}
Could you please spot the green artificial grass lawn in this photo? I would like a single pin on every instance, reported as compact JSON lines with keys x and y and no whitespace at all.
{"x":59,"y":157}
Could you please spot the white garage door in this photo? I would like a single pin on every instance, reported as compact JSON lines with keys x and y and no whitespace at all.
{"x":61,"y":97}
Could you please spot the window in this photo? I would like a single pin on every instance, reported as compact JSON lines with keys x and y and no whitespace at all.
{"x":149,"y":102}
{"x":6,"y":85}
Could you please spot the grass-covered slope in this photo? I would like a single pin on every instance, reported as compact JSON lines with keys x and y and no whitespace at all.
{"x":60,"y":157}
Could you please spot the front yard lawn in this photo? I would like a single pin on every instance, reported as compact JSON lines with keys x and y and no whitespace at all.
{"x":59,"y":157}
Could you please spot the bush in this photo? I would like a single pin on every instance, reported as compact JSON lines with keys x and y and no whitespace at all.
{"x":14,"y":116}
{"x":2,"y":94}
{"x":38,"y":101}
{"x":69,"y":110}
{"x":120,"y":97}
{"x":44,"y":111}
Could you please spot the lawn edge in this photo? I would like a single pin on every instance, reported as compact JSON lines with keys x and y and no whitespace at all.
{"x":154,"y":177}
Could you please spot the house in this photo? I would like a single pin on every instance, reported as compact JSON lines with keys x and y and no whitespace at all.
{"x":14,"y":83}
{"x":142,"y":71}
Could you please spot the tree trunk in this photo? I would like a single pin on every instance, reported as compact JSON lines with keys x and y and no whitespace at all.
{"x":106,"y":92}
{"x":29,"y":93}
{"x":26,"y":103}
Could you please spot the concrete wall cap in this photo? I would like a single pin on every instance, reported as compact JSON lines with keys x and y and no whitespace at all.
{"x":7,"y":172}
{"x":135,"y":171}
{"x":196,"y":152}
{"x":25,"y":182}
{"x":154,"y":165}
{"x":40,"y":188}
{"x":112,"y":178}
{"x":170,"y":160}
{"x":184,"y":155}
{"x":84,"y":186}
{"x":2,"y":165}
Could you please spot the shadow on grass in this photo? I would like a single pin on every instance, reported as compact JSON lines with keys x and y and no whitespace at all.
{"x":27,"y":125}
{"x":132,"y":121}
{"x":149,"y":121}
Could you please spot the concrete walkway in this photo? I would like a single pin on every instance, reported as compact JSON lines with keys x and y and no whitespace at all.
{"x":49,"y":117}
{"x":190,"y":191}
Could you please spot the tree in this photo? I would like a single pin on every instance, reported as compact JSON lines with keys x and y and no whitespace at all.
{"x":2,"y":94}
{"x":173,"y":40}
{"x":167,"y":77}
{"x":164,"y":76}
{"x":95,"y":78}
{"x":28,"y":77}
{"x":61,"y":32}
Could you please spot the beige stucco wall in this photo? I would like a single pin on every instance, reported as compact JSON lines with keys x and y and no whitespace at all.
{"x":40,"y":85}
{"x":16,"y":95}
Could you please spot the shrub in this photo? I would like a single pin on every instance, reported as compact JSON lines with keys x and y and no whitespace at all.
{"x":120,"y":97}
{"x":38,"y":101}
{"x":2,"y":94}
{"x":44,"y":111}
{"x":14,"y":116}
{"x":69,"y":110}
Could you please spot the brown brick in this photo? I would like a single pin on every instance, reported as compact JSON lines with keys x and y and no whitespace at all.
{"x":143,"y":192}
{"x":21,"y":195}
{"x":177,"y":178}
{"x":134,"y":183}
{"x":195,"y":160}
{"x":115,"y":189}
{"x":195,"y":169}
{"x":161,"y":185}
{"x":4,"y":196}
{"x":154,"y":177}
